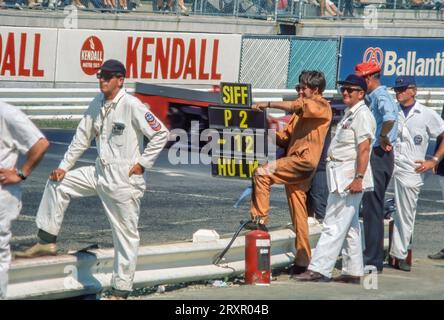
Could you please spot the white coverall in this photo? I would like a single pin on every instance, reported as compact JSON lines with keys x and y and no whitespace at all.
{"x":17,"y":135}
{"x":341,"y":228}
{"x":414,"y":132}
{"x":119,"y":132}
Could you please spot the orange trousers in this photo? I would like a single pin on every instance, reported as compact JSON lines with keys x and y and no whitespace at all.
{"x":295,"y":175}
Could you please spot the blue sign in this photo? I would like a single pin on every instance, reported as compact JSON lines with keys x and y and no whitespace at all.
{"x":422,"y":58}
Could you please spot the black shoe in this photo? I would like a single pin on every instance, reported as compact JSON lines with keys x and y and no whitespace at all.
{"x":255,"y":226}
{"x":295,"y":270}
{"x":403,"y":265}
{"x":345,"y":278}
{"x":439,"y":255}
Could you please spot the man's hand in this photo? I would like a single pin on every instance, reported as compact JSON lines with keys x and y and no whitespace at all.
{"x":259,"y":106}
{"x":9,"y":176}
{"x":137,"y":169}
{"x":424,"y":165}
{"x":385,"y":144}
{"x":355,"y":186}
{"x":57,"y":175}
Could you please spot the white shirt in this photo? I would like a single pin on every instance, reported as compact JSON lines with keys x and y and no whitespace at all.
{"x":119,"y":131}
{"x":17,"y":135}
{"x":357,"y":125}
{"x":413,"y":135}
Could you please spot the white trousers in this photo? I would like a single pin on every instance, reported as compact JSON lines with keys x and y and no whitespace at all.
{"x":406,"y":199}
{"x":10,"y":206}
{"x":120,"y":196}
{"x":341,"y":229}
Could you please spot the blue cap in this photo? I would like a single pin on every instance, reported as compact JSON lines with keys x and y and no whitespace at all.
{"x":404,"y":81}
{"x":114,"y":66}
{"x":354,"y":80}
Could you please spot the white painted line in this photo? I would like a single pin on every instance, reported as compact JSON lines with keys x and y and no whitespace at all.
{"x":22,"y":238}
{"x":54,"y":156}
{"x":191,"y":195}
{"x":420,"y":199}
{"x":437,"y":213}
{"x":24,"y":217}
{"x":189,"y":221}
{"x":67,"y":144}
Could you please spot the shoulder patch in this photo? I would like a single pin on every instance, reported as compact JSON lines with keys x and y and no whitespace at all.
{"x":152,"y":121}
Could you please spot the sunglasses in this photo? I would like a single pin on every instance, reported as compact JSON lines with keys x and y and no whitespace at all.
{"x":401,"y":89}
{"x":300,"y":87}
{"x":349,"y":89}
{"x":105,"y":75}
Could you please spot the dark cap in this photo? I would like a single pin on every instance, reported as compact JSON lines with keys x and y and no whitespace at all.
{"x":114,"y":66}
{"x":367,"y":68}
{"x":404,"y":81}
{"x":354,"y":80}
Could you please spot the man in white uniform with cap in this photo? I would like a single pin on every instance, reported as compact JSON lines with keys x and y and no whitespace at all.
{"x":417,"y":124}
{"x":118,"y":121}
{"x":17,"y":135}
{"x":348,"y":176}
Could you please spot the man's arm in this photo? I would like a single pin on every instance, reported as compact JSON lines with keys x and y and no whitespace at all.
{"x":80,"y":142}
{"x":286,"y":106}
{"x":306,"y":108}
{"x":33,"y":157}
{"x":362,"y":160}
{"x":389,"y":111}
{"x":155,"y":131}
{"x":383,"y":138}
{"x":425,"y":165}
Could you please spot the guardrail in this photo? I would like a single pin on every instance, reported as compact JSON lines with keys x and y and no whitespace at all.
{"x":67,"y":104}
{"x":90,"y":272}
{"x":84,"y":273}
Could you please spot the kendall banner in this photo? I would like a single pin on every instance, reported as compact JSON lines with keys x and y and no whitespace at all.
{"x":151,"y":57}
{"x":27,"y":54}
{"x":422,"y":58}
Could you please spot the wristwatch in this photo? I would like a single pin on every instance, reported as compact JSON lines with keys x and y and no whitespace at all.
{"x":21,"y":175}
{"x":359,"y":176}
{"x":436,"y":159}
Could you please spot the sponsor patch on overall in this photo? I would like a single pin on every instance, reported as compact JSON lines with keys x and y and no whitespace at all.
{"x":417,"y":139}
{"x":152,"y":122}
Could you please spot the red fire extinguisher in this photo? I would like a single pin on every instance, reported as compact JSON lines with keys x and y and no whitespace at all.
{"x":257,"y":258}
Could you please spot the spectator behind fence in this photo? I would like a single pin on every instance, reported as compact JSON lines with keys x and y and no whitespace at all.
{"x":168,"y":6}
{"x":347,"y":8}
{"x":330,"y":7}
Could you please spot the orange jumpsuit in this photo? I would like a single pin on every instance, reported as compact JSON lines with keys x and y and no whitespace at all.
{"x":303,"y":138}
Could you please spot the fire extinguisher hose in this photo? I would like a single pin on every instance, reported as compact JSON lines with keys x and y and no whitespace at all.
{"x":222,"y":254}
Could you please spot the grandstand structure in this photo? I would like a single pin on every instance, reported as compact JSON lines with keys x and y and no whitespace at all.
{"x":413,"y":18}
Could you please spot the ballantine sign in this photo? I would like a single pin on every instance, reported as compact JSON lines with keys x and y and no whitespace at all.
{"x":413,"y":64}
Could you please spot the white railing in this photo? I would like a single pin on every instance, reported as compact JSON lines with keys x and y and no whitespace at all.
{"x":71,"y":103}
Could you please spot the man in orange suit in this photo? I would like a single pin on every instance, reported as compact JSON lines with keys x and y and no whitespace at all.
{"x":303,"y":139}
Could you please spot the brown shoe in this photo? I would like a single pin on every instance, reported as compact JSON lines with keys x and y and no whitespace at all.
{"x":345,"y":278}
{"x":38,"y":250}
{"x":311,"y":276}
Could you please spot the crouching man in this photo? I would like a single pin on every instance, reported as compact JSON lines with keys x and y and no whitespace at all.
{"x":118,"y":122}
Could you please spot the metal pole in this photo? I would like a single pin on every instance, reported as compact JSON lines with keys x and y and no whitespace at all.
{"x":301,"y":8}
{"x":394,"y":9}
{"x":275,"y":10}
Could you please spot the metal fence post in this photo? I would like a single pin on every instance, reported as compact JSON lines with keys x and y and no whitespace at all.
{"x":275,"y":10}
